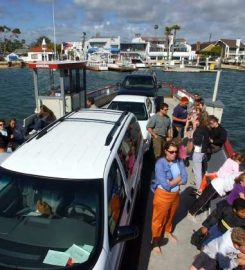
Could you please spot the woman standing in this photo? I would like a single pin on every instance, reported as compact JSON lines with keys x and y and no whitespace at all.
{"x":201,"y":142}
{"x":170,"y":173}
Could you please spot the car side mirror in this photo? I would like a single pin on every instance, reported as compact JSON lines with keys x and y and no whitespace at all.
{"x":125,"y":233}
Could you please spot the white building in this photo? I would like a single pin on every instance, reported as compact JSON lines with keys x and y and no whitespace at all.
{"x":233,"y":50}
{"x":159,"y":50}
{"x":38,"y":54}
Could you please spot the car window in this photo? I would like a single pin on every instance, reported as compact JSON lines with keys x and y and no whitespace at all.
{"x":139,"y":81}
{"x":149,"y":105}
{"x":129,"y":148}
{"x":116,"y":196}
{"x":137,"y":108}
{"x":40,"y":214}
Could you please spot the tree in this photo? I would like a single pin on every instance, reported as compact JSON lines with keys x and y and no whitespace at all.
{"x":175,"y":27}
{"x":38,"y":42}
{"x":8,"y":37}
{"x":168,"y":33}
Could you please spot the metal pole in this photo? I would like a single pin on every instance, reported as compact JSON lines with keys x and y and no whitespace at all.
{"x":54,"y":32}
{"x":216,"y":85}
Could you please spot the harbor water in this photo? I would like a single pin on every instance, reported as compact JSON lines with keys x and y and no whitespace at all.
{"x":17,"y":94}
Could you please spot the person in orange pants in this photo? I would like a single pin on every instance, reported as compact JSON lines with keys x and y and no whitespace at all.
{"x":165,"y":205}
{"x":206,"y":177}
{"x":170,"y":173}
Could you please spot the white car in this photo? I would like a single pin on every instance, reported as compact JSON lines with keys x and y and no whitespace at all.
{"x":67,"y":195}
{"x":141,"y":106}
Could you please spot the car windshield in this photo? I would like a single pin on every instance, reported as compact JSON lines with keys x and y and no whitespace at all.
{"x":137,"y":108}
{"x":40,"y":217}
{"x":138,"y":82}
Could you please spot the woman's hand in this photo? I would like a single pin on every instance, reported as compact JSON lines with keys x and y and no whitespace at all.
{"x":204,"y":230}
{"x":175,"y":182}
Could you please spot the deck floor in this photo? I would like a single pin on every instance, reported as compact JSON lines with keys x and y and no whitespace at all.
{"x":175,"y":256}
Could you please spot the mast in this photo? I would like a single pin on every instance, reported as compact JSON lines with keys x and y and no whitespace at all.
{"x":54,"y":31}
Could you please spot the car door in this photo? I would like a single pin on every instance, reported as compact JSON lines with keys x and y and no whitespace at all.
{"x":130,"y":153}
{"x":118,"y":207}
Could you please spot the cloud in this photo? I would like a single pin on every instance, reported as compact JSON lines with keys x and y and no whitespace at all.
{"x":222,"y":18}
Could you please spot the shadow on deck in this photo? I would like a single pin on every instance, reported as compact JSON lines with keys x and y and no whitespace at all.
{"x":174,"y":256}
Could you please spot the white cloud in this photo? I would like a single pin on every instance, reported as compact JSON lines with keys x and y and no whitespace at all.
{"x":197,"y":18}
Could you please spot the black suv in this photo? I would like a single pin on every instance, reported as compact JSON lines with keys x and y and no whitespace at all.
{"x":142,"y":83}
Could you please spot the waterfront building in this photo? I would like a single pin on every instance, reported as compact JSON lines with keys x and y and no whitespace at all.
{"x":233,"y":50}
{"x":38,"y":54}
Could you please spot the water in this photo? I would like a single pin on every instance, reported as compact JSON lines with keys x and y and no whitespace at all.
{"x":17,"y":94}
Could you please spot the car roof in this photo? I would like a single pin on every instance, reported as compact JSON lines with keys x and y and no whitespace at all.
{"x":143,"y":72}
{"x":73,"y":148}
{"x":130,"y":98}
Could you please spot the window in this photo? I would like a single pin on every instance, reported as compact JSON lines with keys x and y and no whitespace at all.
{"x":45,"y":214}
{"x":149,"y":105}
{"x":137,"y":108}
{"x":34,"y":56}
{"x":116,"y":197}
{"x":129,"y":148}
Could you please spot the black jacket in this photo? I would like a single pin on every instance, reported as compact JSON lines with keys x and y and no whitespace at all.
{"x":218,"y":135}
{"x":201,"y":138}
{"x":226,"y":214}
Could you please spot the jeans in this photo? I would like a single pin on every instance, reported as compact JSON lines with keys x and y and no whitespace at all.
{"x":197,"y":159}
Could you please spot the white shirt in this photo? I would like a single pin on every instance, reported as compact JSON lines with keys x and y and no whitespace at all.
{"x":223,"y":250}
{"x":224,"y":184}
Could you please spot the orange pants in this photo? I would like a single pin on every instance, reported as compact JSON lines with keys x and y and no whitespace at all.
{"x":204,"y":182}
{"x":165,"y":205}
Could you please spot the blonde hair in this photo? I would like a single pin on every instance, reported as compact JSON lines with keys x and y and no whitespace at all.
{"x":238,"y":157}
{"x":240,"y":178}
{"x":238,"y":236}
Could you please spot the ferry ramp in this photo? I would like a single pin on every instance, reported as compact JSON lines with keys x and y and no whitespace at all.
{"x":175,"y":256}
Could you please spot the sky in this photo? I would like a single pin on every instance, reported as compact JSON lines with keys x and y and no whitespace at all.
{"x":199,"y":20}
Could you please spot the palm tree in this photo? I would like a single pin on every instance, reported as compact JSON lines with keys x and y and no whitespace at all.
{"x":168,"y":32}
{"x":175,"y":27}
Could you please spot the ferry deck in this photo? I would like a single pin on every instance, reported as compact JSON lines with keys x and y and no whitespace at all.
{"x":175,"y":256}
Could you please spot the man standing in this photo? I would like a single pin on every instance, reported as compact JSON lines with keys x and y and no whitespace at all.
{"x":159,"y":126}
{"x":180,"y":116}
{"x":217,"y":134}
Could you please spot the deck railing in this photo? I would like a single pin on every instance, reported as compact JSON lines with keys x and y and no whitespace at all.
{"x":103,"y":95}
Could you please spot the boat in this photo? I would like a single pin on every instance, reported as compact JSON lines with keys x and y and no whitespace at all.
{"x":98,"y":60}
{"x":97,"y":65}
{"x":121,"y":67}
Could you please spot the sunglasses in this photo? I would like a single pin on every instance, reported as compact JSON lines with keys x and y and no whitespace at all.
{"x":172,"y":152}
{"x":1,"y":125}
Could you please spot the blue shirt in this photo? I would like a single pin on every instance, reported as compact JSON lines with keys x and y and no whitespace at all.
{"x":179,"y":112}
{"x":163,"y":174}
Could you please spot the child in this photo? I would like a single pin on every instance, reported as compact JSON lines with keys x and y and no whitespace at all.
{"x":238,"y":190}
{"x":222,"y":252}
{"x":224,"y":218}
{"x":231,"y":165}
{"x":218,"y":187}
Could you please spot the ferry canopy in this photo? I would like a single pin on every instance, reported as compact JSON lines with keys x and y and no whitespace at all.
{"x":58,"y":65}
